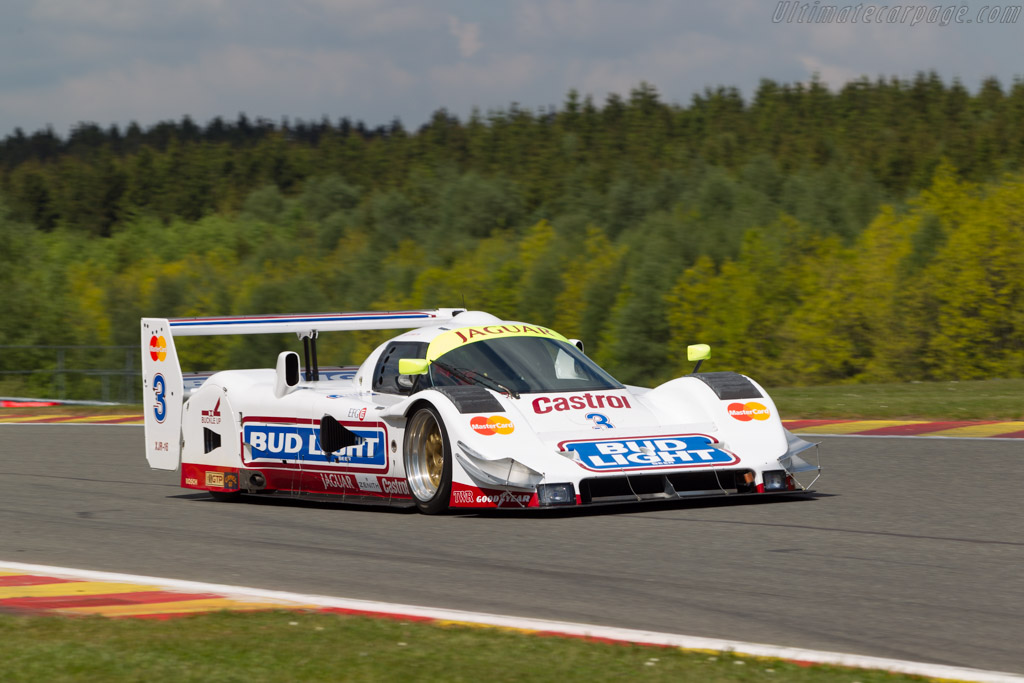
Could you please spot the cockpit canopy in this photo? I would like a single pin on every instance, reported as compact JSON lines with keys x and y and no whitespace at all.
{"x":524,"y":365}
{"x":510,"y":363}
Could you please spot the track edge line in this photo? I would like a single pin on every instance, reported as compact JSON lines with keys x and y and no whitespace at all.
{"x":572,"y":629}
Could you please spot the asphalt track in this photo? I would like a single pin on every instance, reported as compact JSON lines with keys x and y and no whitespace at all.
{"x":912,"y":550}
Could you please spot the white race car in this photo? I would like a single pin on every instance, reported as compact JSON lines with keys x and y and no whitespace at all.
{"x":463,"y":411}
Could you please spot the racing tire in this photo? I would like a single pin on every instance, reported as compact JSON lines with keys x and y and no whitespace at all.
{"x":428,"y":461}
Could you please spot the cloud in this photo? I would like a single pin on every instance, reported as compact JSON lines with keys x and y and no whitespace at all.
{"x":692,"y":59}
{"x":840,"y":53}
{"x":834,"y":76}
{"x":64,"y":61}
{"x":268,"y":82}
{"x":501,"y":74}
{"x":376,"y":17}
{"x":123,"y":15}
{"x":467,"y":35}
{"x":597,"y":20}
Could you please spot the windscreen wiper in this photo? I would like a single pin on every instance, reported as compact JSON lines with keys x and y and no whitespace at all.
{"x":471,"y":377}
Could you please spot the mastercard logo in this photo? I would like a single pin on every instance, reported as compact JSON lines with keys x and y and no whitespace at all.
{"x":157,"y":348}
{"x":745,"y":412}
{"x":492,"y":425}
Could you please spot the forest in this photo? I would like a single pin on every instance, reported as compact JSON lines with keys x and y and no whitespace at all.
{"x":811,"y":236}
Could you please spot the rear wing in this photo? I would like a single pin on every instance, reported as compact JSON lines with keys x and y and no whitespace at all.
{"x":163,"y":383}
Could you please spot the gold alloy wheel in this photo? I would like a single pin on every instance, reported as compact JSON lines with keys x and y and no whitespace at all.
{"x":435,"y":456}
{"x":424,"y":455}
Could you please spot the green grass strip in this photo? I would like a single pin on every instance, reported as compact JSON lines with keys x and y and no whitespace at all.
{"x":975,"y":399}
{"x":993,"y":399}
{"x":290,"y":646}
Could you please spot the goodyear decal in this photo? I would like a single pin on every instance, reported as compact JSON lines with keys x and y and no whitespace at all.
{"x":472,"y":497}
{"x":302,"y":444}
{"x":684,"y":450}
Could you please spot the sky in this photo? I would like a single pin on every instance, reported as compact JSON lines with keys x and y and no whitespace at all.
{"x":63,"y":62}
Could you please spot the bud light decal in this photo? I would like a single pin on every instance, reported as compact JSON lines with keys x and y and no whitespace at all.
{"x":649,"y":453}
{"x":294,"y":444}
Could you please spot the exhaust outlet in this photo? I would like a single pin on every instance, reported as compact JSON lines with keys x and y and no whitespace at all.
{"x":253,"y":481}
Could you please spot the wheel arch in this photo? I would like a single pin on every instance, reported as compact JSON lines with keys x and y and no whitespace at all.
{"x":422,"y":462}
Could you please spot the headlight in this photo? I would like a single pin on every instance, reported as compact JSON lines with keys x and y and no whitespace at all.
{"x":775,"y":480}
{"x":556,"y":494}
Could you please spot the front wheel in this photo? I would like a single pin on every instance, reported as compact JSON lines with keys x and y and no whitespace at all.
{"x":428,"y":461}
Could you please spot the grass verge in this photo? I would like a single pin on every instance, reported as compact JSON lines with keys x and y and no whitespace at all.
{"x":992,"y":399}
{"x":288,"y":646}
{"x":43,"y":411}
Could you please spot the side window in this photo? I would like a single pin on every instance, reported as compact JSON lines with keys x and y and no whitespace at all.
{"x":385,"y":376}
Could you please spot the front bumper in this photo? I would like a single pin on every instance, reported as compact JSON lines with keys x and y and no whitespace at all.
{"x":487,"y":489}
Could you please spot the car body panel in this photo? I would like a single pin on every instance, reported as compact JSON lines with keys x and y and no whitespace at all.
{"x":249,"y":431}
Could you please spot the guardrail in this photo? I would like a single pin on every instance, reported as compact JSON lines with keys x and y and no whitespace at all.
{"x":69,"y":371}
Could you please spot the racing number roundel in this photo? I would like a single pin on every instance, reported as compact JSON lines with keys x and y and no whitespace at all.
{"x":157,"y":348}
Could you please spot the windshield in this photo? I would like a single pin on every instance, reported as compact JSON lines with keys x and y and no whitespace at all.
{"x":524,"y":365}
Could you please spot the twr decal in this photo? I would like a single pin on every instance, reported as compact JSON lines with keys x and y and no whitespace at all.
{"x":473,"y":497}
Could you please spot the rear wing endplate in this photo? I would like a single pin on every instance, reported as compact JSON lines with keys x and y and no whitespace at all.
{"x":163,"y":383}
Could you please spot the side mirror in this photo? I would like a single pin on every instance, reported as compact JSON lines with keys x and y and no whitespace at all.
{"x":578,"y":343}
{"x":699,"y":353}
{"x":413,"y":366}
{"x":287,"y":373}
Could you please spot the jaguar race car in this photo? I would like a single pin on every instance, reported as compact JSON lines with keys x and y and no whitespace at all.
{"x":464,"y":410}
